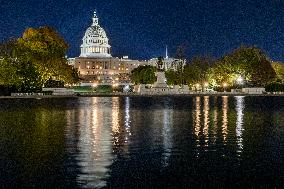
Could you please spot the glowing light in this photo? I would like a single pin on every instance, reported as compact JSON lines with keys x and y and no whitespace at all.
{"x":206,"y":84}
{"x":126,"y":88}
{"x":240,"y":80}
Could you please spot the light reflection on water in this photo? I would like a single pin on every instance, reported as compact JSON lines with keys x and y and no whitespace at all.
{"x":197,"y":120}
{"x":95,"y":142}
{"x":240,"y":106}
{"x":127,"y":120}
{"x":215,"y":121}
{"x":206,"y":118}
{"x":106,"y":126}
{"x":225,"y":118}
{"x":167,"y":133}
{"x":142,"y":142}
{"x":202,"y":128}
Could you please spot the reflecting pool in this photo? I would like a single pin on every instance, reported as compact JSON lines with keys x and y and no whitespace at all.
{"x":142,"y":142}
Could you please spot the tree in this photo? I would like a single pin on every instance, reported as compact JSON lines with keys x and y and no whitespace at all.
{"x":263,"y":73}
{"x":143,"y":75}
{"x":171,"y":77}
{"x":197,"y":71}
{"x":47,"y":50}
{"x":28,"y":62}
{"x":279,"y":70}
{"x":17,"y":72}
{"x":251,"y":63}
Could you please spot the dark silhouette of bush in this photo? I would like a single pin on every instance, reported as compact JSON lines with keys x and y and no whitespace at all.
{"x":274,"y":87}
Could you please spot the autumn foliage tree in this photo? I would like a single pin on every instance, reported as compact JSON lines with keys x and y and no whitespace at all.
{"x":29,"y":61}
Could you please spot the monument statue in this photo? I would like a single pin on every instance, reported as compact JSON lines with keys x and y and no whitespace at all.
{"x":160,"y":64}
{"x":160,"y":74}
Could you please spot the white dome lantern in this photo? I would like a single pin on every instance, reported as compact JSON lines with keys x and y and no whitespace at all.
{"x":95,"y":41}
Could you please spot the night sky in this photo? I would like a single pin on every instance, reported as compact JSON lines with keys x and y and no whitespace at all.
{"x":143,"y":28}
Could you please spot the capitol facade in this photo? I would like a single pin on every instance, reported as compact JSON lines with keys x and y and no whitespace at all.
{"x":96,"y":64}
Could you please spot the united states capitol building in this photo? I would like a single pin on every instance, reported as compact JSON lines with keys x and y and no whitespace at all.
{"x":96,"y":64}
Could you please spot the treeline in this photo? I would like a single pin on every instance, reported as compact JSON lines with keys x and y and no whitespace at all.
{"x":248,"y":63}
{"x":245,"y":66}
{"x":36,"y":58}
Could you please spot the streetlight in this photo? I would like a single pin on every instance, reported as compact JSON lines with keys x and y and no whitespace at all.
{"x":224,"y":86}
{"x":95,"y":85}
{"x":197,"y":86}
{"x":206,"y":85}
{"x":240,"y":80}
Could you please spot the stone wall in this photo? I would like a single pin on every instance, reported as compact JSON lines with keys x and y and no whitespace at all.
{"x":147,"y":89}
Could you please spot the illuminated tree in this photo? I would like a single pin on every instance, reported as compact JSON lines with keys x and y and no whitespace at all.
{"x":250,"y":63}
{"x":28,"y":62}
{"x":143,"y":75}
{"x":279,"y":69}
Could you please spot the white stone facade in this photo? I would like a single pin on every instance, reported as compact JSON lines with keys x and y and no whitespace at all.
{"x":95,"y":41}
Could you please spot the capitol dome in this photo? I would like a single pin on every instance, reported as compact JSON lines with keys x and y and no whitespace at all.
{"x":95,"y":41}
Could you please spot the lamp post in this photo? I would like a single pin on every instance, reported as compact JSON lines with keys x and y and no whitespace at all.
{"x":206,"y":85}
{"x":240,"y":80}
{"x":197,"y":86}
{"x":225,"y":86}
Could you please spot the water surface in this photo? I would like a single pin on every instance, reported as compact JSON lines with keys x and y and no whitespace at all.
{"x":142,"y":142}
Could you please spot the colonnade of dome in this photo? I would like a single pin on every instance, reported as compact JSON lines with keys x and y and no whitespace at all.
{"x":95,"y":41}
